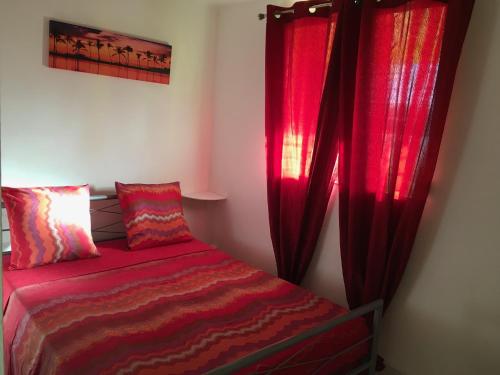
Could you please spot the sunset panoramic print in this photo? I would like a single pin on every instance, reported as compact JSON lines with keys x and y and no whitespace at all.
{"x":90,"y":50}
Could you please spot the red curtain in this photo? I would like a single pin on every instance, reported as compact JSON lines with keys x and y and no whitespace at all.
{"x":404,"y":59}
{"x":301,"y":148}
{"x":369,"y":81}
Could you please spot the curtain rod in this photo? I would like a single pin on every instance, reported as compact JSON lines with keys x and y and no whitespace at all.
{"x":312,"y":9}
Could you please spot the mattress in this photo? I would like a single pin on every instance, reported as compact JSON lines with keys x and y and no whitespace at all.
{"x":180,"y":309}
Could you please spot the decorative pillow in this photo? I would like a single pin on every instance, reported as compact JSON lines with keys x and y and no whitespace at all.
{"x":152,"y":214}
{"x":48,"y":225}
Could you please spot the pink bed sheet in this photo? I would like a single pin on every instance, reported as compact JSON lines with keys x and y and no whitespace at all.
{"x":112,"y":257}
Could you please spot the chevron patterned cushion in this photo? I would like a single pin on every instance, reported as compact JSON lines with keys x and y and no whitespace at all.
{"x":48,"y":225}
{"x":152,"y":214}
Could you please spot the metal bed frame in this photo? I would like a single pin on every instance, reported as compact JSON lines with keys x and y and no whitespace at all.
{"x":369,"y":364}
{"x":112,"y":229}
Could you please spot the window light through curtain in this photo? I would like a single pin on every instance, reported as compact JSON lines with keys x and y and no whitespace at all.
{"x":304,"y":81}
{"x":387,"y":90}
{"x":300,"y":157}
{"x":408,"y":44}
{"x":296,"y":158}
{"x":401,"y":71}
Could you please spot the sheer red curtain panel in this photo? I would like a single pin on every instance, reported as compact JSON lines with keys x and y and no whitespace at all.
{"x":405,"y":64}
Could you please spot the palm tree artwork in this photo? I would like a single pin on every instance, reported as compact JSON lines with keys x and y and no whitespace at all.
{"x":90,"y":44}
{"x":78,"y":47}
{"x":91,"y":50}
{"x":149,"y":57}
{"x":119,"y":52}
{"x":138,"y":55}
{"x":128,"y":50}
{"x":98,"y":46}
{"x":110,"y":48}
{"x":61,"y":39}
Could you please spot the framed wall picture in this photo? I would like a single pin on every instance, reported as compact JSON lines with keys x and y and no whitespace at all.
{"x":91,"y":50}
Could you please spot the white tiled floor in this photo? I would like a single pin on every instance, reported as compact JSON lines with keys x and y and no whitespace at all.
{"x":389,"y":371}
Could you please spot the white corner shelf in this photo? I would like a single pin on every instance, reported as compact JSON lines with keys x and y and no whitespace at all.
{"x":205,"y":196}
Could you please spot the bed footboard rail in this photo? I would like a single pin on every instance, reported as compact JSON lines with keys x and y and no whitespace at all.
{"x":374,"y":308}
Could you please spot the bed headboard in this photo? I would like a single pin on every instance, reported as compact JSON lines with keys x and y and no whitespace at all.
{"x":105,"y":216}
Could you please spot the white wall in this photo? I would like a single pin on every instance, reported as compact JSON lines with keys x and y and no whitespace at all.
{"x":65,"y":127}
{"x":238,"y":168}
{"x":445,"y":318}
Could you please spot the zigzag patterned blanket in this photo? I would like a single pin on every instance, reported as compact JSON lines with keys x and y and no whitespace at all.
{"x":182,"y":315}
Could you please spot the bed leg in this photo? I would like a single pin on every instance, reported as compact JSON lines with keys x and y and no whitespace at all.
{"x":377,"y":318}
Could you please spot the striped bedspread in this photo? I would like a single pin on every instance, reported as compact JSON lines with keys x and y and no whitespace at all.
{"x":182,"y":315}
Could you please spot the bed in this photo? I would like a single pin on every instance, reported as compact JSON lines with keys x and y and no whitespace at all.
{"x":185,"y":308}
